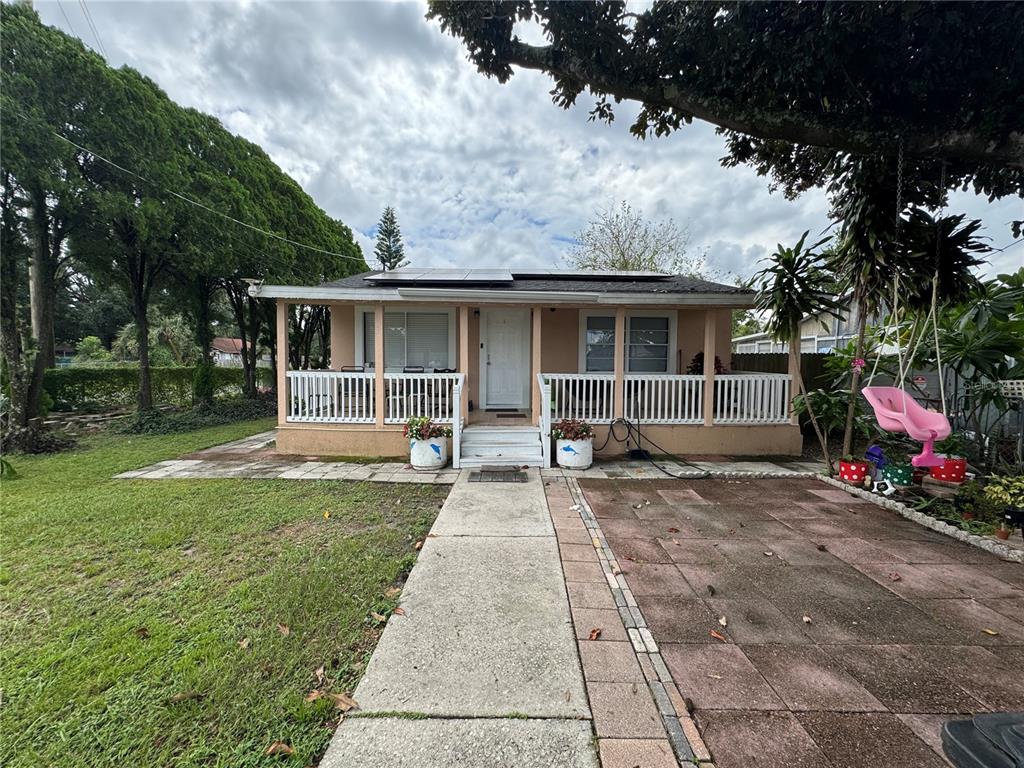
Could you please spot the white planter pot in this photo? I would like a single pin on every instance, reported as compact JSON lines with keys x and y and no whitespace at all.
{"x":574,"y":454}
{"x":428,"y":454}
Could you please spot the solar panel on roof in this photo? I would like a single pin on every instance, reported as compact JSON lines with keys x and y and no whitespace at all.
{"x":442,"y":276}
{"x":595,"y":274}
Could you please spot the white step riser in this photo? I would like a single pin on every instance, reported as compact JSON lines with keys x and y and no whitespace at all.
{"x":531,"y":455}
{"x":502,"y":443}
{"x":472,"y":462}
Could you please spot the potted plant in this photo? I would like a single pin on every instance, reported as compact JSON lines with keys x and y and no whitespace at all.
{"x":853,"y":471}
{"x":897,"y":468}
{"x":1008,"y":492}
{"x":953,"y":468}
{"x":574,"y":443}
{"x":428,"y":443}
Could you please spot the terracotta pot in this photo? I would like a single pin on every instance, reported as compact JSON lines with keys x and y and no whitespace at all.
{"x":967,"y":515}
{"x":853,"y":471}
{"x":952,"y":469}
{"x":1002,"y":533}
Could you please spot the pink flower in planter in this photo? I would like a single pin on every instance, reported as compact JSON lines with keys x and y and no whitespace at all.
{"x":858,"y":365}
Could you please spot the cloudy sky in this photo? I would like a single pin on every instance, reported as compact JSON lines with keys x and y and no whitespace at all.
{"x":368,"y":104}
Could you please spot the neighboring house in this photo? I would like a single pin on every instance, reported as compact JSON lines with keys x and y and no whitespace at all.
{"x":818,"y":333}
{"x":227,"y":353}
{"x":502,"y":354}
{"x":64,"y":355}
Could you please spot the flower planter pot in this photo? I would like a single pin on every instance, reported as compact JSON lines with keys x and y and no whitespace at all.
{"x":900,"y":475}
{"x":967,"y":515}
{"x":953,"y":469}
{"x":1002,"y":533}
{"x":917,"y":478}
{"x":430,"y":454}
{"x":853,"y":471}
{"x":575,"y":454}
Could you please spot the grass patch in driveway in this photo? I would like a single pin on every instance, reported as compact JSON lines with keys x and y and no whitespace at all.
{"x":183,"y":622}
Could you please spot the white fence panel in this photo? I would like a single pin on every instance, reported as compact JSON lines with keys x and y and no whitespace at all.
{"x":330,"y":396}
{"x":586,"y":396}
{"x":761,"y":398}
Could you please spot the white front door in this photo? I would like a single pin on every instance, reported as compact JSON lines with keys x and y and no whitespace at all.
{"x":505,"y":357}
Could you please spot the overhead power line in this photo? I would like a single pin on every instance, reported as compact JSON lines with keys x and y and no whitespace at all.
{"x":92,"y":26}
{"x":64,"y":13}
{"x":205,"y":207}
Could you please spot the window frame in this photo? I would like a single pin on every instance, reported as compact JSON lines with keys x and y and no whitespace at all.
{"x":366,"y":314}
{"x":671,"y":315}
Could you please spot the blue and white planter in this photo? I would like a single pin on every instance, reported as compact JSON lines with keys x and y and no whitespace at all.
{"x":431,"y":454}
{"x":575,"y":454}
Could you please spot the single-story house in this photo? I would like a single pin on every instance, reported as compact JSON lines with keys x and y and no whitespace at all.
{"x":227,"y":353}
{"x":502,"y":354}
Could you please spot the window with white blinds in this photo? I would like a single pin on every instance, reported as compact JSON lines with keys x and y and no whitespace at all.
{"x":410,"y":338}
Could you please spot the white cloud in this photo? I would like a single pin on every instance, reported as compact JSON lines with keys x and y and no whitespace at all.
{"x":368,"y":104}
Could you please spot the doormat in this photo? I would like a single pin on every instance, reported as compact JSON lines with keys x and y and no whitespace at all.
{"x":507,"y":415}
{"x":497,"y":476}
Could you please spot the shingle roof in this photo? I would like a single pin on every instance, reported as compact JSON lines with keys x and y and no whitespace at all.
{"x":669,"y":284}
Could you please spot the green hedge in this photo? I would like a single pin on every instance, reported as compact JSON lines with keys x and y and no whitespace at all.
{"x":74,"y":389}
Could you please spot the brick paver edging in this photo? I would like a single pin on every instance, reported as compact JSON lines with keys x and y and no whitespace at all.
{"x":982,"y":542}
{"x":688,"y":746}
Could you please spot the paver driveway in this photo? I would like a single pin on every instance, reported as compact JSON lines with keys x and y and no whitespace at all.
{"x":850,"y":634}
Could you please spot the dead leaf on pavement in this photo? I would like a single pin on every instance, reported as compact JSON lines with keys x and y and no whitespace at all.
{"x":718,"y":636}
{"x":399,"y":611}
{"x":713,"y":676}
{"x":279,"y":748}
{"x":807,"y":620}
{"x":895,"y":577}
{"x":595,"y":633}
{"x":243,"y":643}
{"x":142,"y":633}
{"x":988,"y":631}
{"x":822,"y":548}
{"x":284,"y":629}
{"x":673,"y":530}
{"x":722,"y":620}
{"x":769,"y":553}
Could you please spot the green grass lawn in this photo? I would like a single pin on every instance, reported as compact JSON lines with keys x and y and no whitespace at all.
{"x":140,"y":618}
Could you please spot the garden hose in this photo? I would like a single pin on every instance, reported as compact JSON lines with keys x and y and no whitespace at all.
{"x":633,"y":431}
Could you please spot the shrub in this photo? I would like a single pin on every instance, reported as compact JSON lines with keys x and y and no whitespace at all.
{"x":73,"y":389}
{"x":1006,"y":491}
{"x":422,"y":428}
{"x":572,"y":429}
{"x":214,"y":414}
{"x":696,"y":366}
{"x":203,"y":387}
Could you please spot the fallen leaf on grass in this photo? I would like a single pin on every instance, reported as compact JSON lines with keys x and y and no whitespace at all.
{"x":378,"y":617}
{"x":320,"y":675}
{"x":718,"y":635}
{"x":991,"y":632}
{"x":185,"y":696}
{"x":595,"y":633}
{"x":327,"y":514}
{"x":342,"y":702}
{"x":243,"y":643}
{"x":142,"y":633}
{"x":284,"y":629}
{"x":279,"y":748}
{"x":313,"y":695}
{"x":418,"y":545}
{"x":399,"y":611}
{"x":392,"y":592}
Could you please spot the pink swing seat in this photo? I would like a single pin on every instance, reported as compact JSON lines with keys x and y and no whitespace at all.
{"x":896,"y":411}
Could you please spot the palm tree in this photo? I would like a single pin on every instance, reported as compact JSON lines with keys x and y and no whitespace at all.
{"x":792,"y":287}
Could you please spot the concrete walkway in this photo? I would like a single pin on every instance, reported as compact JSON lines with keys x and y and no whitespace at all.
{"x":482,"y":668}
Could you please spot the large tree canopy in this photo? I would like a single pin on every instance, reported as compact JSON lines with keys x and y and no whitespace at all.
{"x":794,"y":87}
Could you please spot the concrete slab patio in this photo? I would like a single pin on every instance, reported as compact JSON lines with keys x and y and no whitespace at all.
{"x":481,"y":668}
{"x":806,"y":626}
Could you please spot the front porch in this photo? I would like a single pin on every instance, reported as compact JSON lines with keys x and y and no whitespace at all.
{"x":516,"y":369}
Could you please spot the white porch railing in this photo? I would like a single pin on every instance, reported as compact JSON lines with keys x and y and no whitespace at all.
{"x":752,"y":398}
{"x":586,"y":396}
{"x":457,"y":422}
{"x":545,"y":418}
{"x":420,"y":394}
{"x":331,"y":396}
{"x":658,"y":399}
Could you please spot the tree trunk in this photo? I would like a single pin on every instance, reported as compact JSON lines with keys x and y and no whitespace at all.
{"x":140,"y":316}
{"x":42,"y":274}
{"x":251,"y":353}
{"x":10,"y":327}
{"x":822,"y":436}
{"x":855,"y":379}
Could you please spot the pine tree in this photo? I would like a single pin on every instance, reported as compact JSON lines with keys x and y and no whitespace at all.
{"x":389,"y":249}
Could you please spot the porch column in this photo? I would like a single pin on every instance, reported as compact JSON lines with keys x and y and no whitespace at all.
{"x":794,"y":372}
{"x":709,"y":367}
{"x":619,"y":405}
{"x":535,"y":404}
{"x":342,"y":341}
{"x":464,"y":358}
{"x":378,"y":363}
{"x":282,"y":361}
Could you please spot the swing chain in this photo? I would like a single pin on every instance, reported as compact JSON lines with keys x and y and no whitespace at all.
{"x":899,"y":186}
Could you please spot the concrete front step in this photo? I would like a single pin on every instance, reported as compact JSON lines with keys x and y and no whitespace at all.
{"x":474,"y":462}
